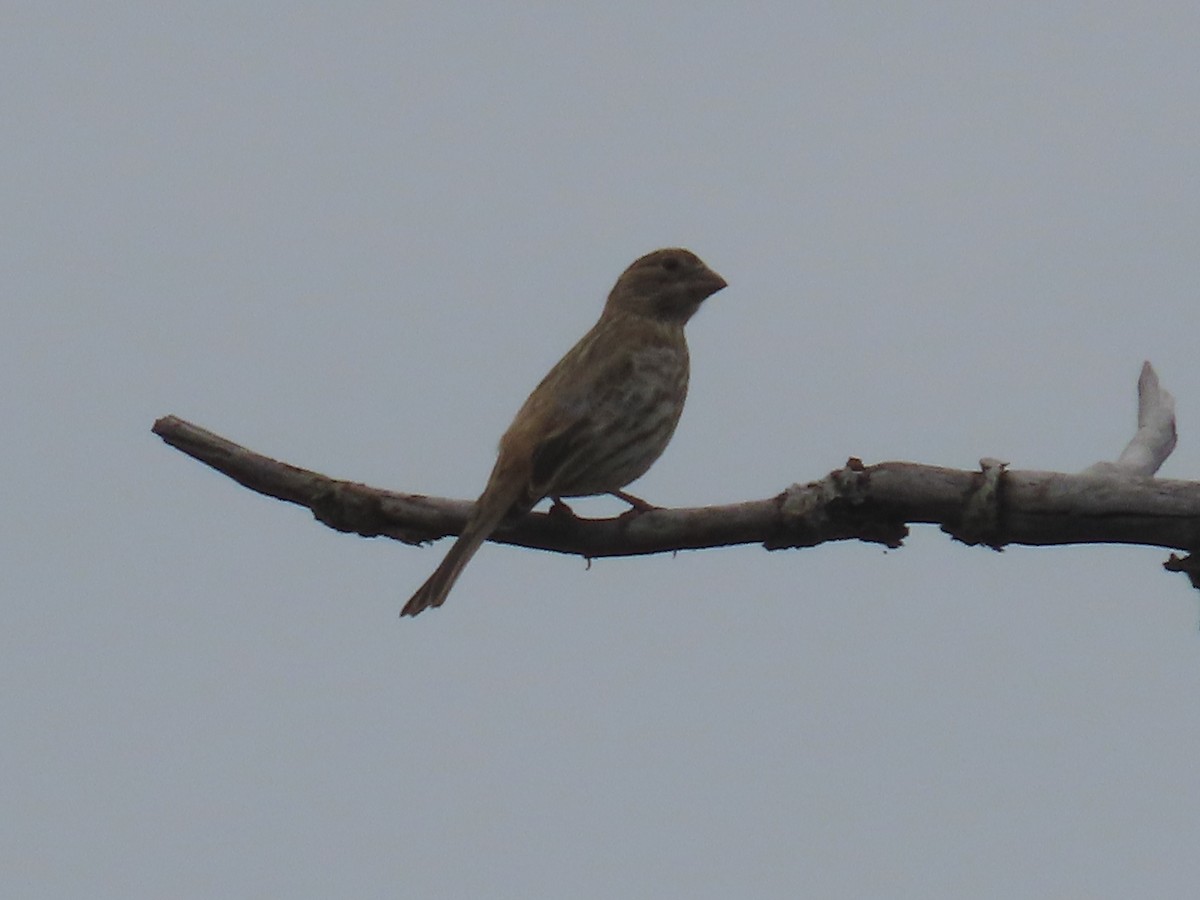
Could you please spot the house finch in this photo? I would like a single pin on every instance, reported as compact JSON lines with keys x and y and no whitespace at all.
{"x":602,"y":415}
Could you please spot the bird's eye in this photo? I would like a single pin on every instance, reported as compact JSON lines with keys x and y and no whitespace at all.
{"x":671,"y":263}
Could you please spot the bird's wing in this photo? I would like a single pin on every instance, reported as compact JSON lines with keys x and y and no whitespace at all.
{"x":576,"y":420}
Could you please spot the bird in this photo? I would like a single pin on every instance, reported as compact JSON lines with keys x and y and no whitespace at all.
{"x":602,"y":415}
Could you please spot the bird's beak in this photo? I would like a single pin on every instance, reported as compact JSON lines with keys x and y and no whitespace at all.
{"x":715,"y":282}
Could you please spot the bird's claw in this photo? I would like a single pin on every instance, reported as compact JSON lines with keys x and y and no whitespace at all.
{"x":637,"y":505}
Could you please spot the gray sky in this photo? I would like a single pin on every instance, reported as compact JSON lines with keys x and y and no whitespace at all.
{"x":355,"y":236}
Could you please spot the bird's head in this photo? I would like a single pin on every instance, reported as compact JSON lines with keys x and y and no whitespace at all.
{"x":668,"y":285}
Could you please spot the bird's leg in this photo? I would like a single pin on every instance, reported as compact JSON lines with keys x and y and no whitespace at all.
{"x":637,"y":504}
{"x":558,"y":508}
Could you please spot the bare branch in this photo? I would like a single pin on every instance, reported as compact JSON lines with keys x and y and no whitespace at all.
{"x":1109,"y":503}
{"x":869,"y":503}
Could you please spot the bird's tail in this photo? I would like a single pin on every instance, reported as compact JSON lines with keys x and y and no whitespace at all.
{"x":489,"y":512}
{"x":435,"y":589}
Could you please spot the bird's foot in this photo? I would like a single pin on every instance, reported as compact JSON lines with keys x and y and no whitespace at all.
{"x":560,"y":509}
{"x":637,"y":505}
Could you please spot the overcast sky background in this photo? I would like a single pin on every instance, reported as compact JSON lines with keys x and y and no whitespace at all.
{"x":355,"y":236}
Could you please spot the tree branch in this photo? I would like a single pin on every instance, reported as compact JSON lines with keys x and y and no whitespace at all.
{"x":1110,"y":503}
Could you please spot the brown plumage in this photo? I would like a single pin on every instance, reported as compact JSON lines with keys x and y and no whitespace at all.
{"x":602,"y":415}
